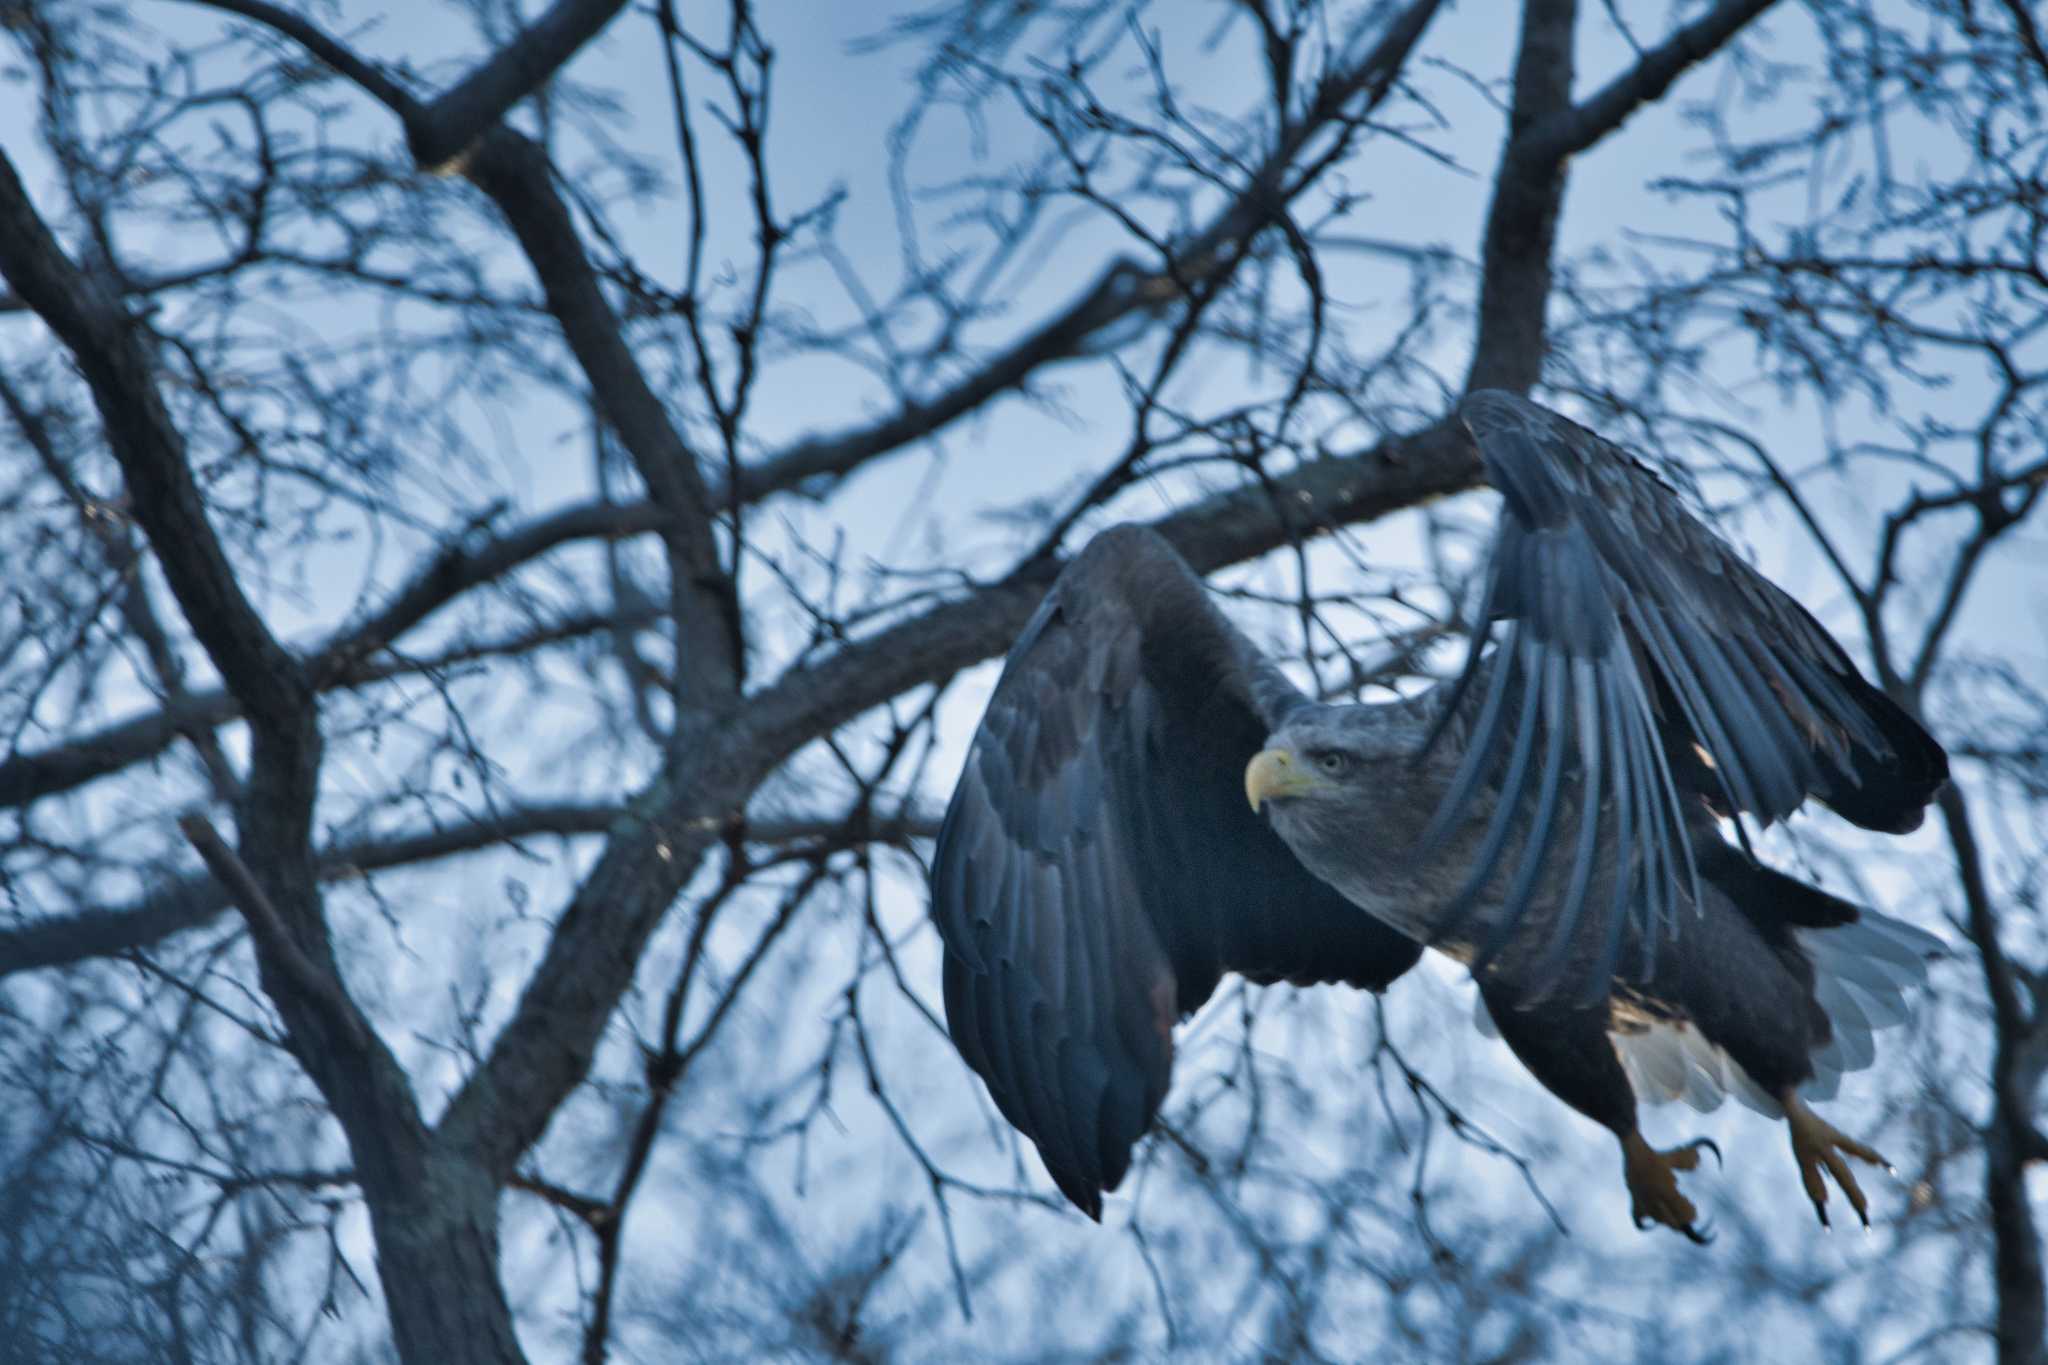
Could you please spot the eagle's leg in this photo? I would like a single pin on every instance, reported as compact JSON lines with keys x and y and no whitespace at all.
{"x":1568,"y":1050}
{"x":1817,"y":1146}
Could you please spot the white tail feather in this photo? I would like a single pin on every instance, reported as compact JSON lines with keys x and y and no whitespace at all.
{"x":1862,"y":972}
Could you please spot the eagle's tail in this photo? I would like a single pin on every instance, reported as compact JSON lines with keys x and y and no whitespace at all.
{"x":1862,"y":974}
{"x":1865,"y":966}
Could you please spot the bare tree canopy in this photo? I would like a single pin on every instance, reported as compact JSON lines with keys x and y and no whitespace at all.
{"x":509,"y":507}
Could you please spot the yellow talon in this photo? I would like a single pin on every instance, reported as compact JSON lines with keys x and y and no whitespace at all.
{"x":1653,"y":1184}
{"x":1816,"y":1146}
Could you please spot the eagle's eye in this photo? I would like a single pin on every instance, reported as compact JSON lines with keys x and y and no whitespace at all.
{"x":1333,"y":763}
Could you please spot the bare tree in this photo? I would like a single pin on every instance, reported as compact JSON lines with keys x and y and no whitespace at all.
{"x":501,"y":538}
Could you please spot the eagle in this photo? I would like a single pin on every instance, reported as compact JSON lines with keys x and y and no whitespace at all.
{"x":1149,"y":804}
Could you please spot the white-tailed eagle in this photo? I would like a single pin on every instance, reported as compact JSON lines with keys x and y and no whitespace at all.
{"x":1552,"y":817}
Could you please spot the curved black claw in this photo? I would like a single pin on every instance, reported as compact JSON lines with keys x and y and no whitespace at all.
{"x":1820,"y":1149}
{"x":1699,"y":1234}
{"x":1652,"y":1178}
{"x":1713,"y":1147}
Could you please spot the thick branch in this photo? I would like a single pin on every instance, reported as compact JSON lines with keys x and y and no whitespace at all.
{"x":1544,"y":130}
{"x":517,"y":176}
{"x":446,"y":128}
{"x":1521,"y":224}
{"x":439,"y":131}
{"x":87,"y":319}
{"x":2029,"y":32}
{"x":2012,"y":1139}
{"x":275,"y":814}
{"x":320,"y":987}
{"x":327,"y":50}
{"x":1575,"y":129}
{"x":428,"y":1225}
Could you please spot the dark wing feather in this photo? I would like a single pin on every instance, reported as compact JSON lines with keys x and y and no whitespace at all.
{"x":1098,"y":868}
{"x":1660,"y":670}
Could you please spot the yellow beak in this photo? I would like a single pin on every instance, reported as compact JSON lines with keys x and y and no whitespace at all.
{"x":1276,"y":772}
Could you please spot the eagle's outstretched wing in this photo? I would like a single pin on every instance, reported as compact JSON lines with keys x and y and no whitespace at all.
{"x":1098,"y":869}
{"x":1646,"y":667}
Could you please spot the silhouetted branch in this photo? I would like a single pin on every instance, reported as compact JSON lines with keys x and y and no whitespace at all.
{"x":268,"y":927}
{"x":440,"y":132}
{"x":1561,"y":133}
{"x":192,"y":902}
{"x":164,"y":497}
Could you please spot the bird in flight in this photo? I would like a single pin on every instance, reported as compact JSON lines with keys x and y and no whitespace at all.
{"x":1149,"y":804}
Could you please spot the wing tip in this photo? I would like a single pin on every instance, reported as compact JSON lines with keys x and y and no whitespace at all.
{"x":1887,"y":791}
{"x":1084,"y":1195}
